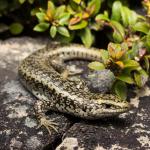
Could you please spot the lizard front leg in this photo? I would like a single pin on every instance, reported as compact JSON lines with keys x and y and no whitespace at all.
{"x":41,"y":108}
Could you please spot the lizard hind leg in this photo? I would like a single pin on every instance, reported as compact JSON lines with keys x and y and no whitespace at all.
{"x":64,"y":70}
{"x":40,"y":109}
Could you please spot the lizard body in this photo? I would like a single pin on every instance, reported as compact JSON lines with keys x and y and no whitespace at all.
{"x":54,"y":93}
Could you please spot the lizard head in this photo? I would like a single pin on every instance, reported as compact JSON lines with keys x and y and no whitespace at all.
{"x":109,"y":105}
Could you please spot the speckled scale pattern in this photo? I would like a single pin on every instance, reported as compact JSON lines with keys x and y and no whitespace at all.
{"x":66,"y":96}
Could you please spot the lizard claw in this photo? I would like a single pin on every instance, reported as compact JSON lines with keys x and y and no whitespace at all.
{"x":48,"y":124}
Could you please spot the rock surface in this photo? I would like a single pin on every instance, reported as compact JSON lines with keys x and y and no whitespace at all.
{"x":17,"y":120}
{"x":129,"y":131}
{"x":100,"y":81}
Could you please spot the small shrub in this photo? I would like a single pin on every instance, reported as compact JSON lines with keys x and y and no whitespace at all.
{"x":128,"y":32}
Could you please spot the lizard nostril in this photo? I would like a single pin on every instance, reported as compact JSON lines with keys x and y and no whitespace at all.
{"x":84,"y":109}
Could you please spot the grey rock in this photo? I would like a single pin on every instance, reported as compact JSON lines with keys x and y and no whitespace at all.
{"x":18,"y":124}
{"x":99,"y":81}
{"x":129,"y":131}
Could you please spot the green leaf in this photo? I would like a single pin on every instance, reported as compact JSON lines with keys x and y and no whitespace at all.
{"x":94,"y":26}
{"x":75,"y":6}
{"x":16,"y":28}
{"x":141,"y":78}
{"x":121,"y":89}
{"x":96,"y":4}
{"x":101,"y":17}
{"x":131,"y":54}
{"x":64,"y":18}
{"x":125,"y":78}
{"x":31,"y":1}
{"x":53,"y":31}
{"x":63,"y":31}
{"x":141,"y":27}
{"x":119,"y":33}
{"x":77,"y":1}
{"x":132,"y":18}
{"x":86,"y":37}
{"x":40,"y":16}
{"x":41,"y":27}
{"x":3,"y":5}
{"x":59,"y":11}
{"x":64,"y":39}
{"x":21,"y":1}
{"x":131,"y":64}
{"x":41,"y":9}
{"x":104,"y":55}
{"x":116,"y":14}
{"x":51,"y":8}
{"x":34,"y":11}
{"x":128,"y":16}
{"x":70,"y":10}
{"x":106,"y":13}
{"x":147,"y":62}
{"x":125,"y":12}
{"x":117,"y":37}
{"x":78,"y":26}
{"x":147,"y":43}
{"x":96,"y":65}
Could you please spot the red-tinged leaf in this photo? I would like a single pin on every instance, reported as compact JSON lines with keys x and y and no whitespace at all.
{"x":79,"y":25}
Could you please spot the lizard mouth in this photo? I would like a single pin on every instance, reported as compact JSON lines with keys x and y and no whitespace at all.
{"x":109,"y":109}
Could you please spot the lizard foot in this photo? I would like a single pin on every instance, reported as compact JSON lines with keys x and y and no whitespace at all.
{"x":71,"y":71}
{"x":74,"y":70}
{"x":48,"y":124}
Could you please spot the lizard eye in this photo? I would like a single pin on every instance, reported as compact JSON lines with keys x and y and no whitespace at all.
{"x":110,"y":106}
{"x":106,"y":106}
